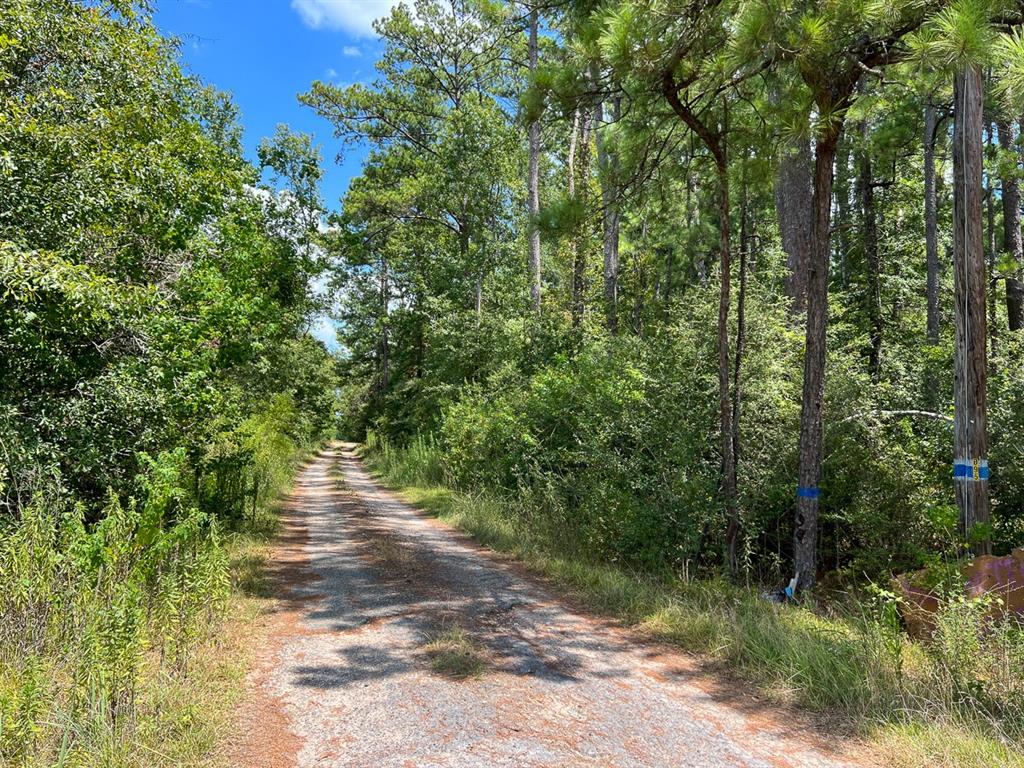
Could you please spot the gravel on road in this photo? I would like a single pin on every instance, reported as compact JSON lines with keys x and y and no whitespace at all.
{"x":397,"y":641}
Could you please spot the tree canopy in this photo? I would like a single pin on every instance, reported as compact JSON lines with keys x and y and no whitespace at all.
{"x":733,"y":220}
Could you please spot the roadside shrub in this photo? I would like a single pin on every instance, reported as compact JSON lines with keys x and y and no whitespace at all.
{"x":617,"y":448}
{"x":850,"y":657}
{"x":977,"y":664}
{"x":418,"y":463}
{"x":83,"y":608}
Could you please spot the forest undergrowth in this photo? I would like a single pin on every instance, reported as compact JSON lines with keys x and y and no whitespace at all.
{"x":158,"y":384}
{"x":955,"y":699}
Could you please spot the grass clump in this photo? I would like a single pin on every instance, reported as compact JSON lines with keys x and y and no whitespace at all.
{"x":454,"y":654}
{"x":956,"y":700}
{"x":942,"y":746}
{"x":389,"y":550}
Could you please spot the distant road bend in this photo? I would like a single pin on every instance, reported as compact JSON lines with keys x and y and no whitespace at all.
{"x":365,"y":582}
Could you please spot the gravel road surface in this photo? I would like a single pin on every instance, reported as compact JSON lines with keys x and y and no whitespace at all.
{"x":346,"y":678}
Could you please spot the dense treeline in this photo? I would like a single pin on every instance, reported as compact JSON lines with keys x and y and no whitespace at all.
{"x":717,"y":288}
{"x":157,"y":379}
{"x":661,"y":289}
{"x":777,"y":244}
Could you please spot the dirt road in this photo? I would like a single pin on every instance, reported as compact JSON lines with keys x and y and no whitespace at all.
{"x":347,"y":678}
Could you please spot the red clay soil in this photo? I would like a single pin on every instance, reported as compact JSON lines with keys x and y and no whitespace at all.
{"x":263,"y":736}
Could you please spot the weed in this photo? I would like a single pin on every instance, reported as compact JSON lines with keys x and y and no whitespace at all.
{"x":122,"y":643}
{"x":390,"y":551}
{"x":453,"y":653}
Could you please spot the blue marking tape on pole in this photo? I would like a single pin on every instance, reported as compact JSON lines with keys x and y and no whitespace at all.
{"x":970,"y":470}
{"x":808,"y":493}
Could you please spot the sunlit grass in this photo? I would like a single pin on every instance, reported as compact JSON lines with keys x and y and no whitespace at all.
{"x":453,"y":653}
{"x":942,"y":746}
{"x":183,"y":707}
{"x":180,"y":717}
{"x":850,"y":666}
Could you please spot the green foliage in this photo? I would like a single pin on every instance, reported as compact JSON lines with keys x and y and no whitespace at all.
{"x":1009,"y":57}
{"x":849,"y":658}
{"x":599,"y":452}
{"x":613,"y":445}
{"x":149,"y":297}
{"x":582,"y":436}
{"x":157,"y":378}
{"x":92,"y":611}
{"x":83,"y":608}
{"x":157,"y":381}
{"x":964,"y":35}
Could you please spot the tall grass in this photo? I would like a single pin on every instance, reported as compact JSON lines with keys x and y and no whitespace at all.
{"x":418,"y":463}
{"x":956,"y":699}
{"x":108,"y":628}
{"x":81,"y":610}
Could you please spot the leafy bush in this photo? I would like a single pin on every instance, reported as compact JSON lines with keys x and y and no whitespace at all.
{"x":157,"y":378}
{"x":617,"y":447}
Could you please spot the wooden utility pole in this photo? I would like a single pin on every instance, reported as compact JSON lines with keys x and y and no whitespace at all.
{"x":970,"y":445}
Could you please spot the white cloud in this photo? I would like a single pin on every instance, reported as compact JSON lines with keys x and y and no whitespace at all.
{"x":323,"y":326}
{"x":331,"y":73}
{"x":351,"y":50}
{"x":354,"y":16}
{"x":323,"y":329}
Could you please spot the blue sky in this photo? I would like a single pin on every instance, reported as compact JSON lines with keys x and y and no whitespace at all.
{"x":265,"y":53}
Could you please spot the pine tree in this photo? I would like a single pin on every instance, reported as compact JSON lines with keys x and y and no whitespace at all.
{"x":815,"y":40}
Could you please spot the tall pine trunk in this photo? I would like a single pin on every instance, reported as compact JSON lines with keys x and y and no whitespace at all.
{"x":844,"y":218}
{"x":1012,"y":244}
{"x":384,"y":341}
{"x":579,"y":166}
{"x":741,"y":327}
{"x":805,"y":529}
{"x":534,"y":180}
{"x":970,"y":414}
{"x":931,"y":223}
{"x":716,"y":144}
{"x":670,"y":280}
{"x":608,"y":164}
{"x":725,"y":405}
{"x":793,"y":207}
{"x":872,"y":266}
{"x":990,"y":218}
